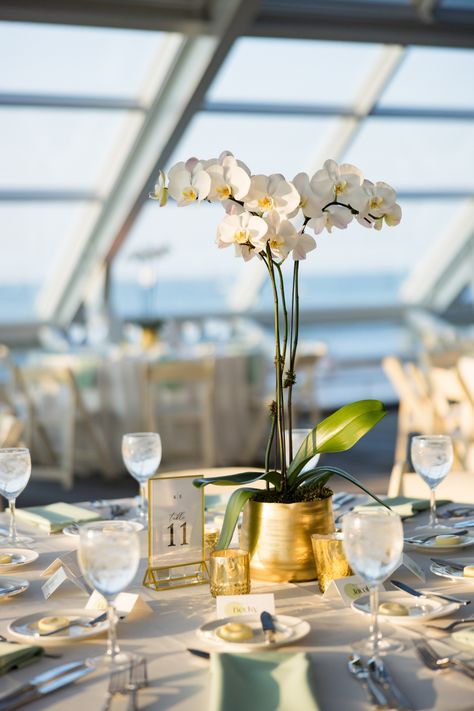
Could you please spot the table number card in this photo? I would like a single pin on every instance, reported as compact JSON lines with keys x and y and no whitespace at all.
{"x":175,"y":533}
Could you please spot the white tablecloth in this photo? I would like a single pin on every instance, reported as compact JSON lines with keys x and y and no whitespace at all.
{"x":180,"y":682}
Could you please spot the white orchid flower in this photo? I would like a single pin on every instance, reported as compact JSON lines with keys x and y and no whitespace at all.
{"x":228,"y":179}
{"x":281,"y":235}
{"x":245,"y":231}
{"x":240,"y":163}
{"x":380,"y":198}
{"x":310,"y":203}
{"x":160,"y":191}
{"x":271,"y":192}
{"x":394,"y":216}
{"x":333,"y":216}
{"x":338,"y":182}
{"x":304,"y":244}
{"x":189,"y":182}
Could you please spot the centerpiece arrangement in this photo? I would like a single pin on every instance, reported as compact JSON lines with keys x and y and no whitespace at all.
{"x":269,"y":218}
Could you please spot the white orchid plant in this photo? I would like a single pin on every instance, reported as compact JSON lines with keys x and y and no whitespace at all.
{"x":270,"y":218}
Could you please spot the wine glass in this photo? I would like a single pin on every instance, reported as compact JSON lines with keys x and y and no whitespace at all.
{"x":373,"y":544}
{"x":141,"y":452}
{"x":15,"y":470}
{"x":108,"y":555}
{"x":432,"y":457}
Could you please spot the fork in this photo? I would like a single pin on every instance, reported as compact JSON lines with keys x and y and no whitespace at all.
{"x":361,"y":673}
{"x":138,"y":679}
{"x":117,"y":685}
{"x":452,"y":625}
{"x":423,"y":539}
{"x":431,"y":660}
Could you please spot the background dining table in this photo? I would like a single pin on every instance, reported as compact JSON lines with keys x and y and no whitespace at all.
{"x":181,"y":682}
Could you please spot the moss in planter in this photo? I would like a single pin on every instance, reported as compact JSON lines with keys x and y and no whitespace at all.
{"x":313,"y":492}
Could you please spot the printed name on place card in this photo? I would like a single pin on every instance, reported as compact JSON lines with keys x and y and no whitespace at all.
{"x":347,"y":589}
{"x":233,"y":605}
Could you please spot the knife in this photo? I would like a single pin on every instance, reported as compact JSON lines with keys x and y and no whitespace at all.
{"x":268,"y":627}
{"x":43,"y":678}
{"x":72,"y":623}
{"x":463,"y":524}
{"x":411,"y":591}
{"x":20,"y":698}
{"x":447,"y":563}
{"x":199,"y":653}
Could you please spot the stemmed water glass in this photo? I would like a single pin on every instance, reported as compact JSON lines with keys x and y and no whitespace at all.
{"x":15,"y":470}
{"x":109,"y":554}
{"x":373,"y":544}
{"x":141,"y":452}
{"x":432,"y":458}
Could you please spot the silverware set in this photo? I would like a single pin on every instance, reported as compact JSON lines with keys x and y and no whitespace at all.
{"x":382,"y":691}
{"x":127,"y":681}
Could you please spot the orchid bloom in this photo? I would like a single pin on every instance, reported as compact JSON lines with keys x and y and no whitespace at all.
{"x":189,"y":182}
{"x":338,"y":182}
{"x":160,"y":191}
{"x":310,"y":203}
{"x":228,"y":178}
{"x":273,"y":192}
{"x":245,"y":231}
{"x":281,"y":235}
{"x":304,"y":244}
{"x":332,"y":216}
{"x":379,"y":205}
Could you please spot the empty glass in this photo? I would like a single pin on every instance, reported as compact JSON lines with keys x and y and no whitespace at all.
{"x":109,"y":554}
{"x":15,"y":470}
{"x":141,"y":452}
{"x":432,"y":457}
{"x":373,"y":543}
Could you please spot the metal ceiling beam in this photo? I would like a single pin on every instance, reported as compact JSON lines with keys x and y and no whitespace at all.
{"x":37,"y":195}
{"x":192,"y":68}
{"x":447,"y":268}
{"x":53,"y":101}
{"x":280,"y":109}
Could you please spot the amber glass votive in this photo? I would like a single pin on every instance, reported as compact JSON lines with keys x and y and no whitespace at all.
{"x":229,"y":572}
{"x":331,"y":562}
{"x":211,"y":536}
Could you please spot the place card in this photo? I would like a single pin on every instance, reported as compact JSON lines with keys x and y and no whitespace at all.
{"x":125,"y":603}
{"x":413,"y":567}
{"x":61,"y":570}
{"x":347,"y":589}
{"x":233,"y":605}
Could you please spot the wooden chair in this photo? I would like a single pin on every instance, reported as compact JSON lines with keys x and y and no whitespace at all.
{"x":179,"y":404}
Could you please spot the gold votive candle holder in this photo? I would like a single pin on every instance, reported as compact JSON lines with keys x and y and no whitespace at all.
{"x":211,"y":536}
{"x":329,"y":557}
{"x":229,"y":572}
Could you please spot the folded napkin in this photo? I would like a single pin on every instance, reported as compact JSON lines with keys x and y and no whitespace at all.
{"x":15,"y":656}
{"x":406,"y":506}
{"x":54,"y":517}
{"x":270,"y":681}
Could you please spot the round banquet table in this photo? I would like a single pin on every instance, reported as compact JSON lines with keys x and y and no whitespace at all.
{"x":180,"y":681}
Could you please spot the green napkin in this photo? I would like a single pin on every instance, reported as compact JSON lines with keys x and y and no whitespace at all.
{"x":406,"y":506}
{"x":15,"y":656}
{"x":270,"y":681}
{"x":54,"y":517}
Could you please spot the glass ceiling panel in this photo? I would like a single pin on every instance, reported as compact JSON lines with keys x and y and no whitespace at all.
{"x":268,"y":144}
{"x":33,"y":238}
{"x":55,"y":59}
{"x":433,"y":77}
{"x":415,"y":154}
{"x":61,"y":148}
{"x":287,"y":71}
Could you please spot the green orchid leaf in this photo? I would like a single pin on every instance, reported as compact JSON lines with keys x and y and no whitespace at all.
{"x":240,"y":478}
{"x":338,"y":432}
{"x":321,"y":475}
{"x":235,"y":505}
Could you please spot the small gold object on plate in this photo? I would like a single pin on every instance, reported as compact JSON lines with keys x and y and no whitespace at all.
{"x":229,"y":572}
{"x":329,"y":557}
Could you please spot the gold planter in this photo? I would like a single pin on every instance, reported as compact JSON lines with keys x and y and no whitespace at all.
{"x":278,"y":538}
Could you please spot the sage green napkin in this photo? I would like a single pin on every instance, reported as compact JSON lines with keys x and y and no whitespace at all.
{"x":406,"y":506}
{"x":15,"y":656}
{"x":270,"y":681}
{"x":54,"y":517}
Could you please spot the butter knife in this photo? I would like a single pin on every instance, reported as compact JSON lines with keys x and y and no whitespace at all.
{"x":43,"y":678}
{"x":268,"y":627}
{"x":417,"y":593}
{"x":447,"y":563}
{"x":29,"y":693}
{"x":381,"y":673}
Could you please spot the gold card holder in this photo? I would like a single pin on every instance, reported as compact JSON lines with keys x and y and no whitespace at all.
{"x":175,"y":534}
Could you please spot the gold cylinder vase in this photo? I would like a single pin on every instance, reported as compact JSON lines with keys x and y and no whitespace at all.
{"x":278,"y":538}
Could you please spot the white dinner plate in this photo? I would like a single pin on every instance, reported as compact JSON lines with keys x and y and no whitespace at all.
{"x":447,"y":572}
{"x":21,"y":556}
{"x":16,"y":585}
{"x":419,"y":609}
{"x":288,"y":630}
{"x":432,"y":546}
{"x":74,"y":530}
{"x":26,"y":628}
